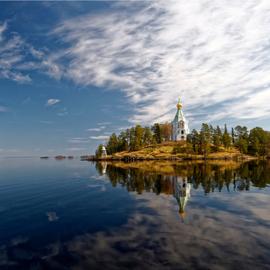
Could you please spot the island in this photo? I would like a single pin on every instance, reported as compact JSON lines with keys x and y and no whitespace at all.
{"x":174,"y":141}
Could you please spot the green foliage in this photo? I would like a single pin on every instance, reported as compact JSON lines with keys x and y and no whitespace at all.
{"x":205,"y":140}
{"x":226,"y":138}
{"x":166,"y":131}
{"x":258,"y":142}
{"x":241,"y":139}
{"x":208,"y":139}
{"x":147,"y":136}
{"x":112,"y":145}
{"x":217,"y":138}
{"x":99,"y":151}
{"x":157,"y":132}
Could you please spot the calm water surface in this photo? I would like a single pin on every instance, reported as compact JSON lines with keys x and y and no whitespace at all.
{"x":77,"y":215}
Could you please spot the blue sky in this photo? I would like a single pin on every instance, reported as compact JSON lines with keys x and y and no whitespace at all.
{"x":71,"y":73}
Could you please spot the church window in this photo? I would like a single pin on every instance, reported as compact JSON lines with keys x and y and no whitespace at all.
{"x":182,"y":131}
{"x":181,"y":124}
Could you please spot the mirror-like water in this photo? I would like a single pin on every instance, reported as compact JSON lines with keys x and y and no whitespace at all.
{"x":150,"y":215}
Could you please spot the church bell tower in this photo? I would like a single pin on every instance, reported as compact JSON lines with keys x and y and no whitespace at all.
{"x":179,"y":124}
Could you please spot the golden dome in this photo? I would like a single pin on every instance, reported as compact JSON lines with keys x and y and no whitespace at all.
{"x":179,"y":104}
{"x":182,"y":213}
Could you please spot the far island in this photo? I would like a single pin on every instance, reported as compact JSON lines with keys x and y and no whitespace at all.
{"x":174,"y":141}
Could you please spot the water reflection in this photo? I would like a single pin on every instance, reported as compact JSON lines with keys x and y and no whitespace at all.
{"x":211,"y":177}
{"x":181,"y":191}
{"x":224,"y":209}
{"x":177,"y":179}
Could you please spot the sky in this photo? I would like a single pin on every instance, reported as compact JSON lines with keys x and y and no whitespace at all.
{"x":71,"y":73}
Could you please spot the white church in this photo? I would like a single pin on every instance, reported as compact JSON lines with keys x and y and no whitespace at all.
{"x":179,"y":125}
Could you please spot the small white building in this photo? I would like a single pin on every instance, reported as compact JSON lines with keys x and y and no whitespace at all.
{"x":103,"y":151}
{"x":179,"y":125}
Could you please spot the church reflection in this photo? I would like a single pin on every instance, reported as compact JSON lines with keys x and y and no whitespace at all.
{"x":177,"y":179}
{"x":181,"y":191}
{"x":103,"y":165}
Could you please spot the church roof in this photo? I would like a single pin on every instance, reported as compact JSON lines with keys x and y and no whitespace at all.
{"x":179,"y":114}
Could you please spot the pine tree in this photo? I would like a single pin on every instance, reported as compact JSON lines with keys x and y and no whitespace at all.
{"x":147,"y":136}
{"x":241,"y":139}
{"x":233,"y":136}
{"x":217,"y":138}
{"x":138,"y":137}
{"x":99,"y":151}
{"x":226,"y":138}
{"x":194,"y":139}
{"x":157,"y":133}
{"x":205,"y":139}
{"x":123,"y":141}
{"x":112,"y":145}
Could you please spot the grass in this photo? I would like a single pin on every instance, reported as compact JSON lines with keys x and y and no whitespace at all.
{"x":165,"y":151}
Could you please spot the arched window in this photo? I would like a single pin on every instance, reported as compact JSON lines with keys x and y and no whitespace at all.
{"x":181,"y":124}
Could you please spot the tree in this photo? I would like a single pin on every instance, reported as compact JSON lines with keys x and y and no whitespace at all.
{"x":112,"y":145}
{"x":132,"y":142}
{"x":194,"y":139}
{"x":217,"y":138}
{"x":123,"y":141}
{"x":147,"y":136}
{"x":258,"y":141}
{"x":99,"y":151}
{"x":205,"y":139}
{"x":226,"y":139}
{"x":233,"y":136}
{"x":166,"y":131}
{"x":157,"y":132}
{"x":241,"y":138}
{"x":138,"y":137}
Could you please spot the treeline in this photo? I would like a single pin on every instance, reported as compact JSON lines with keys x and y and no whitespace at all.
{"x":211,"y":139}
{"x":135,"y":138}
{"x":207,"y":140}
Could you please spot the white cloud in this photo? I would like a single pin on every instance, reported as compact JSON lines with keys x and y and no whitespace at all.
{"x":101,"y":137}
{"x":13,"y":53}
{"x":104,"y":123}
{"x":79,"y":140}
{"x":52,"y":101}
{"x":96,"y":129}
{"x":212,"y":53}
{"x":18,"y":58}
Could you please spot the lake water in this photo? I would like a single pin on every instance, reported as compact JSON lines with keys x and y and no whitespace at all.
{"x":72,"y":214}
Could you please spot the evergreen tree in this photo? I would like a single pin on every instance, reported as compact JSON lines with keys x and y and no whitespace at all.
{"x":217,"y":138}
{"x":194,"y":139}
{"x":233,"y":136}
{"x":241,"y":139}
{"x":157,"y":133}
{"x":205,"y":139}
{"x":212,"y":134}
{"x":226,"y":138}
{"x":147,"y":136}
{"x":112,"y":145}
{"x":99,"y":151}
{"x":258,"y":141}
{"x":138,"y":137}
{"x":123,"y":141}
{"x":132,"y":139}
